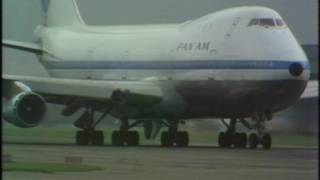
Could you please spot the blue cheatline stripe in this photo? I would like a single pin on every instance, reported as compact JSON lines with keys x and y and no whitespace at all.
{"x":173,"y":65}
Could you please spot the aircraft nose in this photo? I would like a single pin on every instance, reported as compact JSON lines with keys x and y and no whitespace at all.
{"x":299,"y":70}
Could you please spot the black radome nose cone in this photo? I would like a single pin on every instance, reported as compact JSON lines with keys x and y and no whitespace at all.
{"x":295,"y":69}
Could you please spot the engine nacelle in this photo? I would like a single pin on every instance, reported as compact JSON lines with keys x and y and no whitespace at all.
{"x":26,"y":109}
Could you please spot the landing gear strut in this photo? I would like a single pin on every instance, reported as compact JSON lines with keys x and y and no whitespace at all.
{"x":173,"y":136}
{"x":124,"y":136}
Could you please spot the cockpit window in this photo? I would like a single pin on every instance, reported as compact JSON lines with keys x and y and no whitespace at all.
{"x":279,"y":22}
{"x":253,"y":22}
{"x":266,"y":22}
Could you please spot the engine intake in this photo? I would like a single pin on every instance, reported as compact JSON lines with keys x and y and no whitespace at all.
{"x":25,"y":110}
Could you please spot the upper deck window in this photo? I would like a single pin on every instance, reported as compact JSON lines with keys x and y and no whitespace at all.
{"x":266,"y":22}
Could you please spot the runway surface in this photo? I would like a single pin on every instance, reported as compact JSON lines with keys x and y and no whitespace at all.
{"x":155,"y":162}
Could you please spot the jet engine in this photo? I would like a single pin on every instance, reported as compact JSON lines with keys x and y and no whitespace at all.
{"x":25,"y":110}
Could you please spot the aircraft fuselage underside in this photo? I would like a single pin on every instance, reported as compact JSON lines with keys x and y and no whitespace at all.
{"x":222,"y":99}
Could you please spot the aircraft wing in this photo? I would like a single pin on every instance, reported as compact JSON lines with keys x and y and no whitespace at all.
{"x":57,"y":91}
{"x":23,"y":46}
{"x":312,"y":90}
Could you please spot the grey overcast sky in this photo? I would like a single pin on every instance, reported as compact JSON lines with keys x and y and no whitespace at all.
{"x":21,"y":17}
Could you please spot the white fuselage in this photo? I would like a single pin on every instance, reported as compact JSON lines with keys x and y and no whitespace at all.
{"x":195,"y":59}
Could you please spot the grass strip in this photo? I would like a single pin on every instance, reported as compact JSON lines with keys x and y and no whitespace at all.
{"x":47,"y":167}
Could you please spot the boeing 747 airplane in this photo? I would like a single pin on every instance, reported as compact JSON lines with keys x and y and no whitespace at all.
{"x":242,"y":64}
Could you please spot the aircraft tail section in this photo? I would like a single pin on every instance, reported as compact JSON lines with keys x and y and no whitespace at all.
{"x":61,"y":13}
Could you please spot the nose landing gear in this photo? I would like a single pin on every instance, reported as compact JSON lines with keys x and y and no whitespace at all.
{"x":265,"y":140}
{"x":231,"y":138}
{"x":262,"y":137}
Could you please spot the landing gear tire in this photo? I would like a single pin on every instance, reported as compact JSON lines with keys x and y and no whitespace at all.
{"x":117,"y":138}
{"x":253,"y":141}
{"x":221,"y":138}
{"x":236,"y":140}
{"x":266,"y":141}
{"x":225,"y":140}
{"x":82,"y":138}
{"x":132,"y":138}
{"x":167,"y":139}
{"x":182,"y":139}
{"x":243,"y":140}
{"x":97,"y":138}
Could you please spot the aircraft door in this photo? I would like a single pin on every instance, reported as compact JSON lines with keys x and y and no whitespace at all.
{"x":125,"y":70}
{"x":233,"y":26}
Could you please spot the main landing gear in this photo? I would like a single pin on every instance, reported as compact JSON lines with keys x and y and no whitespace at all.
{"x":231,"y":138}
{"x":124,"y":136}
{"x":89,"y":135}
{"x":86,"y":137}
{"x":173,"y":136}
